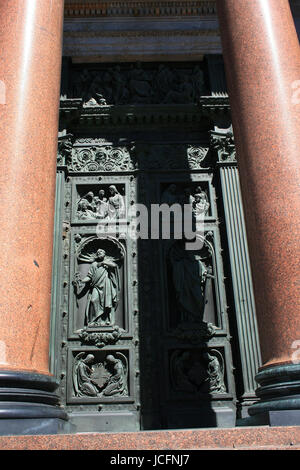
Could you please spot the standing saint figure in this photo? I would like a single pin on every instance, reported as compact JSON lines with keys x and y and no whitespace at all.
{"x":189,"y":274}
{"x":116,"y":205}
{"x":101,"y":205}
{"x":104,"y":290}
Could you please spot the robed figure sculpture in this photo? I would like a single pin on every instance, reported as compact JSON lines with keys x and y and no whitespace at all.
{"x":103,"y":282}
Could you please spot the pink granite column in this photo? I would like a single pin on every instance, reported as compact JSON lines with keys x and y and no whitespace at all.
{"x":262,"y":60}
{"x":30,"y":52}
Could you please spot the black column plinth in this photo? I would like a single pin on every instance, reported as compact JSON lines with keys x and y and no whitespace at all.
{"x":29,"y":404}
{"x":279,"y":397}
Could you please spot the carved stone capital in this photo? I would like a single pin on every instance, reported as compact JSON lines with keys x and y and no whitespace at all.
{"x":222,"y":141}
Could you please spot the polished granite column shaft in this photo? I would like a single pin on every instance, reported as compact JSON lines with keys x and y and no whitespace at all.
{"x":30,"y":51}
{"x":262,"y":60}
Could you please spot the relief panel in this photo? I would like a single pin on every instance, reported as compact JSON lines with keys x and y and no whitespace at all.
{"x":98,"y":376}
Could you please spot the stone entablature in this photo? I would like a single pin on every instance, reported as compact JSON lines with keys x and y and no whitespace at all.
{"x":86,"y":8}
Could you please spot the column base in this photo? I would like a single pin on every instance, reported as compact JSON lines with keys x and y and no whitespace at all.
{"x":279,"y":396}
{"x":29,"y":404}
{"x":272,"y":418}
{"x":34,"y":427}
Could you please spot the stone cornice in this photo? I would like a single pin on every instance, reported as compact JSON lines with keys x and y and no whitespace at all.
{"x":141,"y":8}
{"x":150,"y":33}
{"x":110,"y":115}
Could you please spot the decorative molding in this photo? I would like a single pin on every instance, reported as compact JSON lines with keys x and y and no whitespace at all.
{"x":100,"y":339}
{"x":194,"y":333}
{"x":92,"y":8}
{"x":149,"y":114}
{"x":92,"y":155}
{"x":138,"y":34}
{"x":175,"y":157}
{"x":102,"y":158}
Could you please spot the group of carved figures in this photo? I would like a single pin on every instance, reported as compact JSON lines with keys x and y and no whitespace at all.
{"x":100,"y":379}
{"x":139,"y":85}
{"x":197,"y":199}
{"x":105,"y":206}
{"x":201,"y":373}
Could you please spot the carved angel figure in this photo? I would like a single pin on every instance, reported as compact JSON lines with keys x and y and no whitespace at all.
{"x":84,"y":385}
{"x":117,"y":383}
{"x":215,"y":373}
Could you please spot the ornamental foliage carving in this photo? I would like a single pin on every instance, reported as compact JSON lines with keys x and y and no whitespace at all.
{"x":104,"y":158}
{"x":100,"y":339}
{"x":87,"y":155}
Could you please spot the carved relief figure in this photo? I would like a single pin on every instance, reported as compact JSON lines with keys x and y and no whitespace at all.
{"x":81,"y":84}
{"x":198,"y":82}
{"x":200,"y":205}
{"x":102,"y":207}
{"x":84,"y":385}
{"x":188,"y":198}
{"x":189,"y":274}
{"x":215,"y":373}
{"x":163,"y":81}
{"x":95,"y":95}
{"x":100,"y":379}
{"x":104,"y":289}
{"x":197,"y":198}
{"x":197,"y":371}
{"x":182,"y":91}
{"x":180,"y":365}
{"x":86,"y":206}
{"x":116,"y":204}
{"x":117,"y":383}
{"x":139,"y":84}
